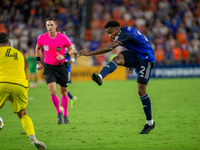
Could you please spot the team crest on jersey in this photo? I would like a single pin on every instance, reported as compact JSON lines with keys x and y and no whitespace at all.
{"x":58,"y":48}
{"x":46,"y":47}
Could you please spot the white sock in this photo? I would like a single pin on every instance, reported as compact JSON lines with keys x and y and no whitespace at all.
{"x":149,"y":122}
{"x":100,"y":76}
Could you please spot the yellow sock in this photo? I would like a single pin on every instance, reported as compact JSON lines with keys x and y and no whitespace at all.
{"x":27,"y":124}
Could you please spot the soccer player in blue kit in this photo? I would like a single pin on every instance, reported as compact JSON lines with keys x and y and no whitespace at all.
{"x":69,"y":61}
{"x":139,"y":56}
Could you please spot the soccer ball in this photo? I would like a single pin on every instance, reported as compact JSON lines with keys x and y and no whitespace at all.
{"x":1,"y":124}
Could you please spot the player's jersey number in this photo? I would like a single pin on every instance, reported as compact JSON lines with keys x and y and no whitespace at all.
{"x":142,"y":71}
{"x":145,"y":71}
{"x":9,"y":54}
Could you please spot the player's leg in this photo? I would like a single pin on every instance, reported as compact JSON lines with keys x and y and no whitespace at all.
{"x":70,"y":95}
{"x":62,"y":80}
{"x":109,"y":68}
{"x":34,"y":78}
{"x":143,"y":70}
{"x":55,"y":100}
{"x":146,"y":102}
{"x":26,"y":121}
{"x":73,"y":98}
{"x":30,"y":79}
{"x":27,"y":125}
{"x":2,"y":103}
{"x":65,"y":102}
{"x":4,"y":93}
{"x":20,"y":102}
{"x":50,"y":72}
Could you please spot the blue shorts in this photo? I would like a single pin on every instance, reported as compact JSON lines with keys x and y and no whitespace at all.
{"x":143,"y":67}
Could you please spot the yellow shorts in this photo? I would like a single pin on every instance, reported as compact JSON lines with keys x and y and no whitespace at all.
{"x":16,"y":94}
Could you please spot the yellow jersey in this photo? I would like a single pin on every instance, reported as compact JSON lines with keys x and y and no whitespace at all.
{"x":12,"y":66}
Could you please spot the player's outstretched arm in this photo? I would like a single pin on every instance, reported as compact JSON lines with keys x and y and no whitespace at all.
{"x":107,"y":48}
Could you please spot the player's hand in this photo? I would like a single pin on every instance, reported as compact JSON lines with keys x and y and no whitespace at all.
{"x":130,"y":71}
{"x":83,"y":52}
{"x":60,"y":57}
{"x":39,"y":66}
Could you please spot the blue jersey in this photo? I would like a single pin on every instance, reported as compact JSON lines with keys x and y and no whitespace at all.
{"x":69,"y":67}
{"x":136,"y":42}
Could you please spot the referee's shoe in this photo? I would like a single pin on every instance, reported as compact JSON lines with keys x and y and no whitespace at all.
{"x":97,"y":78}
{"x":59,"y":118}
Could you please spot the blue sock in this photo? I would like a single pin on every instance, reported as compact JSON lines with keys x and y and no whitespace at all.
{"x":109,"y":68}
{"x":70,"y":95}
{"x":146,"y":106}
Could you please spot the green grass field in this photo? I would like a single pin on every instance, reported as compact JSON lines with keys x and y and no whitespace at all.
{"x":110,"y":117}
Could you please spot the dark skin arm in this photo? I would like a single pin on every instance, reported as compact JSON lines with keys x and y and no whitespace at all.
{"x":102,"y":50}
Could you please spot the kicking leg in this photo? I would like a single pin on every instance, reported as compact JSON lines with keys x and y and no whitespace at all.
{"x":109,"y":68}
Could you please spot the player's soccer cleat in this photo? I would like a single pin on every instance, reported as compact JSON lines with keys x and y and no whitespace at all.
{"x":59,"y":118}
{"x":65,"y":120}
{"x":97,"y":78}
{"x":73,"y":101}
{"x":75,"y":98}
{"x":147,"y":128}
{"x":39,"y":145}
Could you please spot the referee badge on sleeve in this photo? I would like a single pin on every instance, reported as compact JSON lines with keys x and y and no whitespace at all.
{"x":46,"y":47}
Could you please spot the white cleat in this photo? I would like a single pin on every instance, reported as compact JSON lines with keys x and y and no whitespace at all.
{"x":39,"y":145}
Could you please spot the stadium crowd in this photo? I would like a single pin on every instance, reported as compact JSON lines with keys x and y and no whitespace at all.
{"x":172,"y":26}
{"x":24,"y":20}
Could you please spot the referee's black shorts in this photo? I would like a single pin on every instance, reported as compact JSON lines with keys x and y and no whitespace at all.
{"x":56,"y":73}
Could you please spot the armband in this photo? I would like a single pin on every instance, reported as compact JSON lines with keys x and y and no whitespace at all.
{"x":37,"y":58}
{"x":66,"y":55}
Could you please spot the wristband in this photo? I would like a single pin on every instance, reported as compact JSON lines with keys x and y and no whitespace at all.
{"x":37,"y":58}
{"x":66,"y":55}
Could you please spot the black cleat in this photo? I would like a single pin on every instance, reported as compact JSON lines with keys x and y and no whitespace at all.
{"x":147,"y":128}
{"x":96,"y":78}
{"x":59,"y":118}
{"x":65,"y":121}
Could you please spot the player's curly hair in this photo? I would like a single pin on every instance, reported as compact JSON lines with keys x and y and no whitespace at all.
{"x":111,"y":23}
{"x":4,"y":38}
